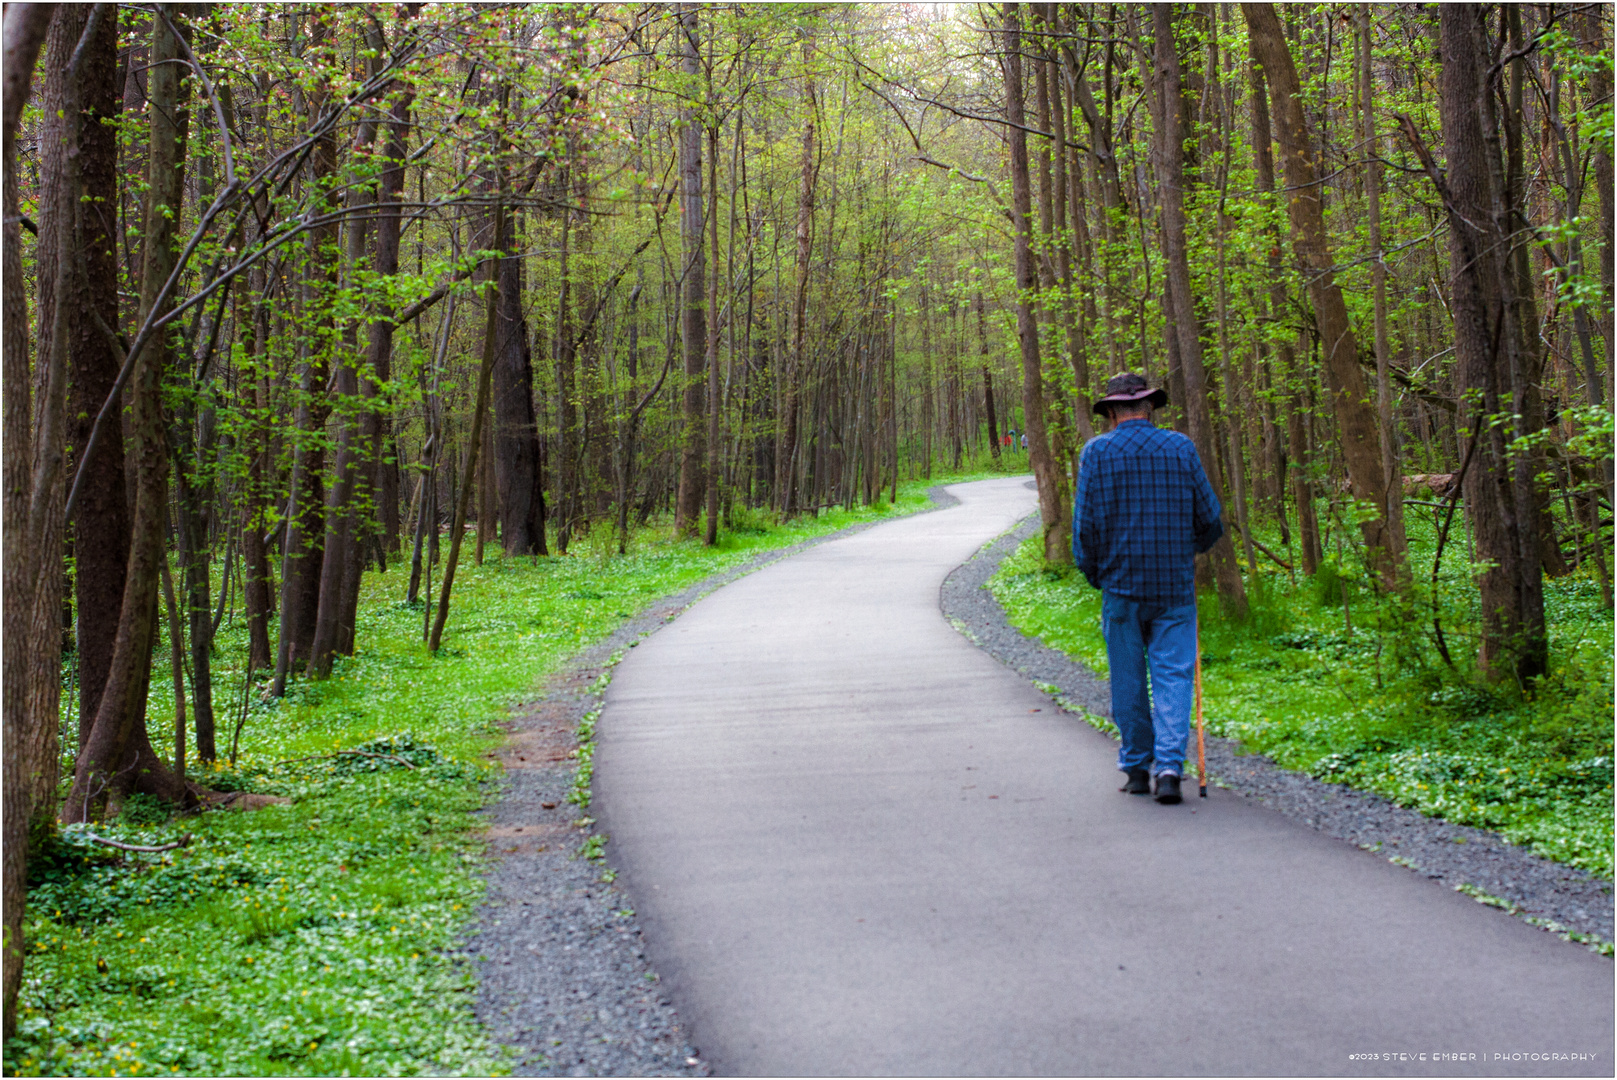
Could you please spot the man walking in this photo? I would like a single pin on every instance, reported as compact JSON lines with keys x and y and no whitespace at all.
{"x":1143,"y":512}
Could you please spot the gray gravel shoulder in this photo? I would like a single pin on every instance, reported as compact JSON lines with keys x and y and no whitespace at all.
{"x":563,"y":979}
{"x":1538,"y":889}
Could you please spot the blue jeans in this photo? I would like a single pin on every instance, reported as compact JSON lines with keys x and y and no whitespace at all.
{"x":1155,"y":726}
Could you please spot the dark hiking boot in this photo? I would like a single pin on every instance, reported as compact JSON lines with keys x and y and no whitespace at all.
{"x":1167,"y":787}
{"x":1139,"y":782}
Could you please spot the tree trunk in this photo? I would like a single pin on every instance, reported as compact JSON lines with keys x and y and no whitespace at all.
{"x":1170,"y":182}
{"x":693,"y":299}
{"x":1066,"y":201}
{"x":474,"y":440}
{"x":928,"y":406}
{"x":792,"y":370}
{"x":25,"y":28}
{"x":566,"y":359}
{"x":1355,"y":418}
{"x":1057,"y":527}
{"x":630,"y":429}
{"x":988,"y":376}
{"x":384,"y":465}
{"x":1530,"y":348}
{"x":61,"y":319}
{"x":117,"y":758}
{"x":485,"y":481}
{"x":1057,"y":314}
{"x":101,"y":519}
{"x":257,"y":577}
{"x":193,"y":509}
{"x":426,"y":525}
{"x":192,"y":436}
{"x":516,"y":441}
{"x":1600,"y":90}
{"x":1221,"y":102}
{"x":176,"y":655}
{"x":1295,"y":463}
{"x":341,"y":562}
{"x":1378,"y":277}
{"x":303,"y":547}
{"x":1486,"y":348}
{"x":715,"y":393}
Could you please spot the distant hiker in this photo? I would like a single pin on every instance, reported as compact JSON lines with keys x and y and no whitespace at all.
{"x":1024,"y":441}
{"x":1142,"y":512}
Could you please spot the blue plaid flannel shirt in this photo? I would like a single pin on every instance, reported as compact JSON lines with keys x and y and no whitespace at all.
{"x":1143,"y":511}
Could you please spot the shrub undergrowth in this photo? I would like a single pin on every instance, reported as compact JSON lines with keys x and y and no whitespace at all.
{"x":322,"y":936}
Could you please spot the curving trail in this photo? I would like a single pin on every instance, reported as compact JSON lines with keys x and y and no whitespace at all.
{"x":858,"y":845}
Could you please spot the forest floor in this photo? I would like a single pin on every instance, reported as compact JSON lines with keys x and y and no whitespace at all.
{"x":326,"y":936}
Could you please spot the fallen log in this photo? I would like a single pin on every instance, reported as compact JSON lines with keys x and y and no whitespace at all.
{"x":181,"y":842}
{"x":1259,"y":545}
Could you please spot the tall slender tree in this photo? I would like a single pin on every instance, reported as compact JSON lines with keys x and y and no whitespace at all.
{"x":1486,"y":345}
{"x":1186,"y":329}
{"x":1057,"y":527}
{"x":693,"y":280}
{"x":117,"y":758}
{"x":25,"y":29}
{"x":1355,"y":417}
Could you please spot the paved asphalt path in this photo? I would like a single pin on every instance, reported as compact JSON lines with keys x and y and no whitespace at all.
{"x":860,"y":846}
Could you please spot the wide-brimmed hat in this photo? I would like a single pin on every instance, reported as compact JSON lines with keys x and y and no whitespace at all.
{"x":1128,"y":388}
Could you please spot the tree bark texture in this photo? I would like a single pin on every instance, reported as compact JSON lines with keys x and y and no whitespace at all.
{"x":516,"y":434}
{"x":693,"y":288}
{"x":117,"y":758}
{"x":1182,"y":309}
{"x":1378,"y":273}
{"x":341,"y":562}
{"x":384,"y":456}
{"x":791,"y":371}
{"x":1295,"y":463}
{"x":101,"y":524}
{"x":715,"y":392}
{"x":303,"y":547}
{"x":25,"y":28}
{"x":1046,"y":473}
{"x":1355,"y":417}
{"x":1486,"y":345}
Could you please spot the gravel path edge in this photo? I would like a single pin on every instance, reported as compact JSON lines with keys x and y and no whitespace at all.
{"x":1558,"y":898}
{"x":564,"y":981}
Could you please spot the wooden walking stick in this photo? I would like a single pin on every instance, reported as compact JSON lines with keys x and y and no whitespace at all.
{"x":1201,"y":727}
